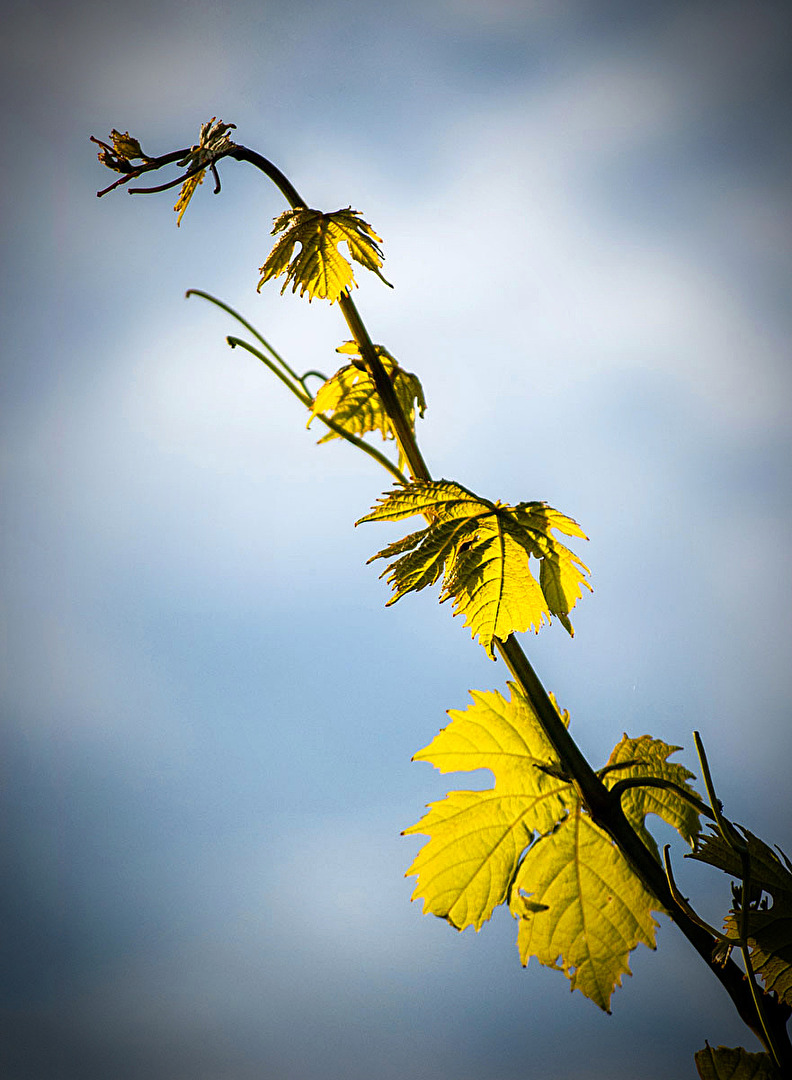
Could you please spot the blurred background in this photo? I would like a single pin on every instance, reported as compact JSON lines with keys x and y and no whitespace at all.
{"x":208,"y":717}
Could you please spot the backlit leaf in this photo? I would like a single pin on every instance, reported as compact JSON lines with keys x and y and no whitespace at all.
{"x":648,"y":757}
{"x":125,"y":146}
{"x":725,"y":1063}
{"x":319,"y":268}
{"x":213,"y":141}
{"x":351,"y":399}
{"x":483,"y":551}
{"x":119,"y":153}
{"x":478,"y":837}
{"x":188,"y":189}
{"x":528,"y":841}
{"x":597,"y":910}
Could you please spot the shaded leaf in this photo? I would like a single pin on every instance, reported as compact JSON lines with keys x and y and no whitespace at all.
{"x":768,"y":869}
{"x":647,"y":757}
{"x":478,"y":837}
{"x":351,"y":399}
{"x":724,"y":1063}
{"x":319,"y":268}
{"x":483,"y":551}
{"x":597,"y":910}
{"x":770,"y":942}
{"x":769,"y":926}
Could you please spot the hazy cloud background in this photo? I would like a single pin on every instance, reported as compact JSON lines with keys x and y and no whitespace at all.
{"x":207,"y":715}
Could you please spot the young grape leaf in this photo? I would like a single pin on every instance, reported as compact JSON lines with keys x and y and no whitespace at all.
{"x":483,"y":551}
{"x":725,"y":1063}
{"x":597,"y":910}
{"x":124,"y":150}
{"x":213,"y":140}
{"x":319,"y":268}
{"x":527,"y":841}
{"x":769,"y":928}
{"x":126,"y":146}
{"x":186,"y":192}
{"x":477,"y":838}
{"x":350,"y":396}
{"x":648,"y":757}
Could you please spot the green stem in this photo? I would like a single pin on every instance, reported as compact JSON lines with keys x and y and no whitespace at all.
{"x":297,"y":390}
{"x":250,"y":328}
{"x":725,"y":827}
{"x":399,"y":423}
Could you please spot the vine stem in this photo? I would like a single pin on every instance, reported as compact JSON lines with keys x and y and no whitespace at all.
{"x":604,"y":807}
{"x":401,"y":426}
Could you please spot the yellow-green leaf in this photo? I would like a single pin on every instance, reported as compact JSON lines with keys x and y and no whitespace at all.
{"x":125,"y":146}
{"x":595,"y":910}
{"x":188,"y":189}
{"x":350,"y":397}
{"x":725,"y":1063}
{"x":483,"y":550}
{"x":120,"y":151}
{"x":528,"y":841}
{"x":319,"y":268}
{"x":478,"y":837}
{"x":647,"y":757}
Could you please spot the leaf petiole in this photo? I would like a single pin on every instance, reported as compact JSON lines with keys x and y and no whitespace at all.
{"x":658,"y":782}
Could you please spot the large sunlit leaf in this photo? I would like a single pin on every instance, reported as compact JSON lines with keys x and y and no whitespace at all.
{"x":483,"y":551}
{"x":725,"y":1063}
{"x":649,"y":757}
{"x":528,"y":841}
{"x":596,"y":911}
{"x":351,"y":399}
{"x":769,"y":925}
{"x":477,"y":837}
{"x":319,"y":268}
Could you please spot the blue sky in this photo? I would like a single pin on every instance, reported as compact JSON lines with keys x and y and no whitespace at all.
{"x":208,"y":717}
